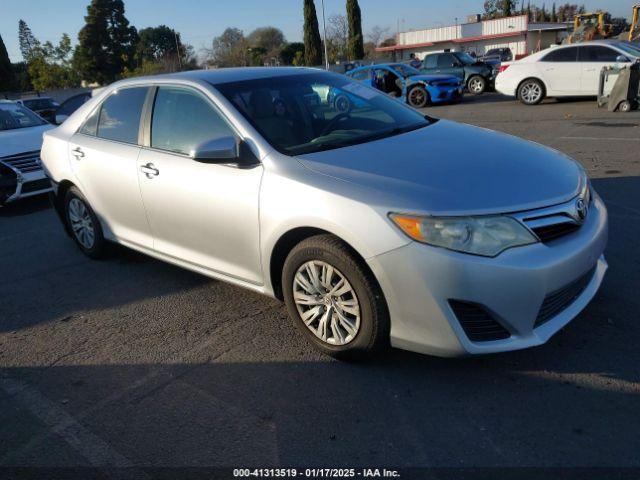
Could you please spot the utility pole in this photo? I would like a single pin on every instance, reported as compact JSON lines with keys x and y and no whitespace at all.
{"x":175,"y":36}
{"x":324,"y":29}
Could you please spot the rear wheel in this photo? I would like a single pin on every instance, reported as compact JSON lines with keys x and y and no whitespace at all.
{"x":625,"y":106}
{"x":418,"y":97}
{"x":333,"y":299}
{"x":83,"y":224}
{"x":531,"y":92}
{"x":477,"y":85}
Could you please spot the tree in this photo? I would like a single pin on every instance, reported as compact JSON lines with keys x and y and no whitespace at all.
{"x":106,"y":43}
{"x":337,"y":38}
{"x":270,"y":38}
{"x":50,"y":67}
{"x":163,"y":46}
{"x":230,"y":49}
{"x":292,"y":52}
{"x":27,"y":40}
{"x":554,"y":15}
{"x":377,"y":33}
{"x":389,"y":42}
{"x":355,"y":49}
{"x":312,"y":43}
{"x":507,"y":7}
{"x":490,"y":9}
{"x":7,"y":78}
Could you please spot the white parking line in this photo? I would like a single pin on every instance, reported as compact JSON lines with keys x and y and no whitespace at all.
{"x":94,"y":449}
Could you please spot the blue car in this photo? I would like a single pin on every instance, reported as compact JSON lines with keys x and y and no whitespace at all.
{"x":409,"y":84}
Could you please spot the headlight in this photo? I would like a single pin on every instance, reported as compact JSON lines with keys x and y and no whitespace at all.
{"x":486,"y":236}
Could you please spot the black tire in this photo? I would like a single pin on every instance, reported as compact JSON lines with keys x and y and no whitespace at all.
{"x":526,"y":91}
{"x":477,"y":85}
{"x":373,"y":332}
{"x":98,"y":247}
{"x":418,"y":97}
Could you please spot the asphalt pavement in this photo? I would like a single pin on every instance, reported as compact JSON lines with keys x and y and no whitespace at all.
{"x":130,"y":362}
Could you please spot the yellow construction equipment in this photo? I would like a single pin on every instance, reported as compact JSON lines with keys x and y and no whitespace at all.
{"x":634,"y":33}
{"x":589,"y":26}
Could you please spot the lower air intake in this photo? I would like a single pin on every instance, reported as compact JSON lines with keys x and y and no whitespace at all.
{"x":477,"y":323}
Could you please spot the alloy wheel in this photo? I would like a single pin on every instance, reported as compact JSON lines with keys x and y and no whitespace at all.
{"x":326,"y":302}
{"x":531,"y":92}
{"x":476,"y":85}
{"x":81,"y":223}
{"x":418,"y":97}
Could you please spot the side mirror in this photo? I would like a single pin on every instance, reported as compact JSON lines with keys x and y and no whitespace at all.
{"x":60,"y":118}
{"x":621,"y":59}
{"x":219,"y":150}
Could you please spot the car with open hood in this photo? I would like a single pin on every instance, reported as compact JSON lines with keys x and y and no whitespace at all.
{"x":376,"y":225}
{"x":409,"y":84}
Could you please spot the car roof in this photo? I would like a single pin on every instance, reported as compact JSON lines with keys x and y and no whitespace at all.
{"x":36,"y":98}
{"x":228,"y":75}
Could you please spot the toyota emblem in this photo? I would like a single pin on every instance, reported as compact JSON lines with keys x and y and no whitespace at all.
{"x":581,"y":209}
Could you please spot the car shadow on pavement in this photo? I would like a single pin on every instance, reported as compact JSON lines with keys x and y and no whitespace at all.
{"x":25,"y":206}
{"x":142,"y":363}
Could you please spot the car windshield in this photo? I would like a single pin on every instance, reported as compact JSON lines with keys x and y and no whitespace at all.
{"x":39,"y":103}
{"x":465,"y":58}
{"x":312,"y":112}
{"x":405,"y":70}
{"x":13,"y":116}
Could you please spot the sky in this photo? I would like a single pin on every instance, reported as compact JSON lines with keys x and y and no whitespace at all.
{"x":199,"y":21}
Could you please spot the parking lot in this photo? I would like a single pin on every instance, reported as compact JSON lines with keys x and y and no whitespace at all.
{"x":130,"y":362}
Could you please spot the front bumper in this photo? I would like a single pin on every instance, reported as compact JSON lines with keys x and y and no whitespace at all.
{"x":447,"y":94}
{"x":25,"y":185}
{"x":419,"y":280}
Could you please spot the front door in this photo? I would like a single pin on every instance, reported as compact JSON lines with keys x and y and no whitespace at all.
{"x":103,"y":156}
{"x":448,"y":64}
{"x":593,"y":59}
{"x":202,"y":213}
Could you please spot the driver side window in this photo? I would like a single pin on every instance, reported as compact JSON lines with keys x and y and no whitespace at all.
{"x":183,"y":119}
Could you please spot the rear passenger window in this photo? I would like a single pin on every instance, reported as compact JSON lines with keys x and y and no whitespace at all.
{"x":120,"y":115}
{"x":562,"y":55}
{"x":598,"y":54}
{"x":90,"y":125}
{"x":183,"y":119}
{"x":431,"y":61}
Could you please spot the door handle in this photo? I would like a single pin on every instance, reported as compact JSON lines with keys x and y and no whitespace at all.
{"x":591,"y":69}
{"x":150,"y":170}
{"x":78,"y":153}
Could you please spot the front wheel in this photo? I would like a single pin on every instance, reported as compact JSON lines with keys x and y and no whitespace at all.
{"x":418,"y":97}
{"x":531,"y":92}
{"x":334,"y":299}
{"x":477,"y":85}
{"x":84,"y":225}
{"x":625,"y":106}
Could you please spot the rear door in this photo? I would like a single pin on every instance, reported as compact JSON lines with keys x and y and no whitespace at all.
{"x":561,"y":72}
{"x":103,"y":155}
{"x":593,"y":59}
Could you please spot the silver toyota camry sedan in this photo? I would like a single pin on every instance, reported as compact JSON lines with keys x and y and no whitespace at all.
{"x":375,"y":224}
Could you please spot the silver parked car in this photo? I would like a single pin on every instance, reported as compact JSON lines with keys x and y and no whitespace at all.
{"x":375,"y":224}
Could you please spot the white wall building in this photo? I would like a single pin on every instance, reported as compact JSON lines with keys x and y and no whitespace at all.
{"x":516,"y":33}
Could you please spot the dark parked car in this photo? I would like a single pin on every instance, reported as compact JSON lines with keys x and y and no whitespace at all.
{"x":70,"y":105}
{"x":44,"y":106}
{"x":499,"y":55}
{"x":477,"y":76}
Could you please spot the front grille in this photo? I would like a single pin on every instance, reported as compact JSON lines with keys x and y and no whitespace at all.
{"x":24,"y":162}
{"x":36,"y":185}
{"x":477,"y":323}
{"x":556,"y":302}
{"x":553,"y":231}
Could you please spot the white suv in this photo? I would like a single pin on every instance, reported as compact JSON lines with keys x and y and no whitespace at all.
{"x":563,"y":71}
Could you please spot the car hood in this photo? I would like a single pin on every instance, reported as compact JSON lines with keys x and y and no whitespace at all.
{"x":431,"y":78}
{"x":22,"y":140}
{"x":451,"y":169}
